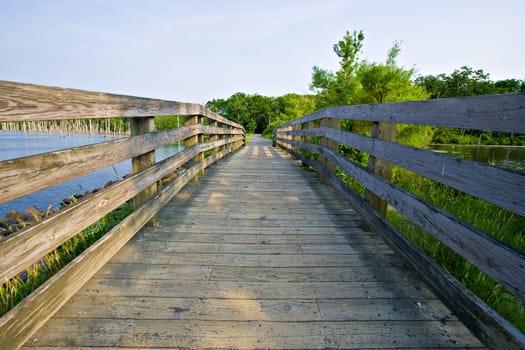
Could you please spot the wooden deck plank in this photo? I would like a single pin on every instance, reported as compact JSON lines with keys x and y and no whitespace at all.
{"x":256,"y":334}
{"x":258,"y":254}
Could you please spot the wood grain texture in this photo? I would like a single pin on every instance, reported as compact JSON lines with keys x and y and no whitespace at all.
{"x":19,"y":102}
{"x":490,"y":327}
{"x":223,"y":290}
{"x":490,"y":112}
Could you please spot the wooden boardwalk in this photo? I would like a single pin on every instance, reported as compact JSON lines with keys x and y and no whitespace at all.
{"x":257,"y":254}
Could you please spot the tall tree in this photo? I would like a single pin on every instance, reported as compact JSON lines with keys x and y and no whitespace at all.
{"x":339,"y":88}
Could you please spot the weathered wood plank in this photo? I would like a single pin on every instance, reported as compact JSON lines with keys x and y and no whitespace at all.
{"x":405,"y":289}
{"x":131,"y":253}
{"x":243,"y":309}
{"x":20,"y":102}
{"x":490,"y":112}
{"x":278,"y":238}
{"x":254,"y":334}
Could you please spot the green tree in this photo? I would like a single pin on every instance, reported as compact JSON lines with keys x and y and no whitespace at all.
{"x":387,"y":82}
{"x":339,"y":88}
{"x":290,"y":107}
{"x":467,"y":81}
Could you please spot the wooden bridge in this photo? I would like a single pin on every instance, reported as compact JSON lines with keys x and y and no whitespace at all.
{"x":256,"y":251}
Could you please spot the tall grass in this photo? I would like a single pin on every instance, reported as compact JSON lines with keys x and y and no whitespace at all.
{"x":15,"y":290}
{"x":500,"y":223}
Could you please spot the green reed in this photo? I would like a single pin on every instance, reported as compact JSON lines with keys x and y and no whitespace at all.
{"x":16,"y":289}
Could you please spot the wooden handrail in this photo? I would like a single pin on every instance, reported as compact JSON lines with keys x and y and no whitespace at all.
{"x":501,"y":187}
{"x":22,"y":176}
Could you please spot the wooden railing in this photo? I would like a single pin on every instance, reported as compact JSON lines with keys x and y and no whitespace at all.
{"x":504,"y":188}
{"x":208,"y":137}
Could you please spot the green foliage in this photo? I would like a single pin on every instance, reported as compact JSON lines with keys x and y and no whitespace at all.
{"x":340,"y":88}
{"x":260,"y":114}
{"x":415,"y":135}
{"x":169,"y":122}
{"x":467,"y":81}
{"x":16,"y":289}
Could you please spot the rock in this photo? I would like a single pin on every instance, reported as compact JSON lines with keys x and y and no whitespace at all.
{"x":13,"y":217}
{"x":109,"y":183}
{"x":33,"y":214}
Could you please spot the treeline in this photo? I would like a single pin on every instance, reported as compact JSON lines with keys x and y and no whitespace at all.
{"x":359,"y":81}
{"x":260,"y":114}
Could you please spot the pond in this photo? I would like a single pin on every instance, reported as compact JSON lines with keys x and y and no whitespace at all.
{"x":510,"y":157}
{"x":19,"y":144}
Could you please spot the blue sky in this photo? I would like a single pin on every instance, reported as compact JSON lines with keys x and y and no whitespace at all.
{"x":197,"y":50}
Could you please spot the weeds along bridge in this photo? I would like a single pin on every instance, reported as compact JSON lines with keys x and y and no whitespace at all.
{"x":258,"y":251}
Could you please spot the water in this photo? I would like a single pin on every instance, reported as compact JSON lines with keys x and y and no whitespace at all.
{"x":510,"y":157}
{"x":17,"y":144}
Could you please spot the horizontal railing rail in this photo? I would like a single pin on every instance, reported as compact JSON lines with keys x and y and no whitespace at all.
{"x":316,"y":138}
{"x":207,"y":137}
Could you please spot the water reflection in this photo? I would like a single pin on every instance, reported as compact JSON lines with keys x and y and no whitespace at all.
{"x":510,"y":157}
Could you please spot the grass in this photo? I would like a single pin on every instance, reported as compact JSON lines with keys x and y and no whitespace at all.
{"x":500,"y":223}
{"x":15,"y":290}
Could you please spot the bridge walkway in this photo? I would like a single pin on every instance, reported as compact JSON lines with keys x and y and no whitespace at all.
{"x":258,"y":253}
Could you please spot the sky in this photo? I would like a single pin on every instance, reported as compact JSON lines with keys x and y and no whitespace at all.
{"x":199,"y":50}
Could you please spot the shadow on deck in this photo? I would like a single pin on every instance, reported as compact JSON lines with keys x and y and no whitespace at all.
{"x":257,"y":254}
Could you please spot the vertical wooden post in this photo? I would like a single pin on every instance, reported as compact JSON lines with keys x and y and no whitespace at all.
{"x":294,"y":128}
{"x":383,"y":131}
{"x":309,"y":125}
{"x":214,"y":137}
{"x":330,"y":144}
{"x":193,"y":140}
{"x":139,"y":126}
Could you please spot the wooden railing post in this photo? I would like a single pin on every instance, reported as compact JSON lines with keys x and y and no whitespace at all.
{"x":294,"y":137}
{"x":139,"y":126}
{"x":382,"y":131}
{"x":214,"y":137}
{"x":193,"y":140}
{"x":330,"y":144}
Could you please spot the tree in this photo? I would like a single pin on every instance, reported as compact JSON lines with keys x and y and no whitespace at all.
{"x":335,"y":89}
{"x":466,"y":81}
{"x":290,"y":107}
{"x":387,"y":82}
{"x":256,"y":112}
